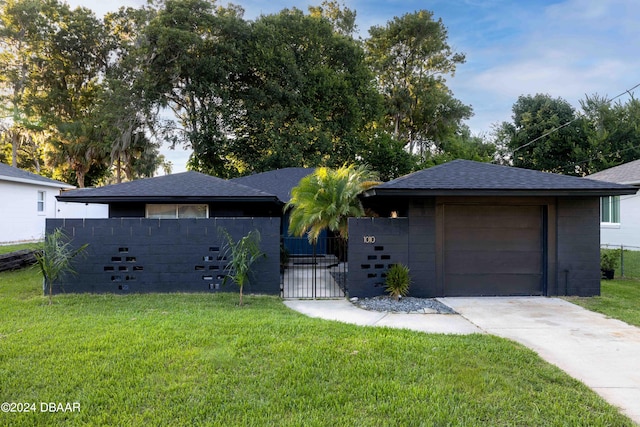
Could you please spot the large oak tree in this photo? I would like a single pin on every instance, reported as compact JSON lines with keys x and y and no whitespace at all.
{"x":411,"y":58}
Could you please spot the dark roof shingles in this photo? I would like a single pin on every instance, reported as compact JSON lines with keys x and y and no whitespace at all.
{"x":476,"y":176}
{"x":278,"y":182}
{"x":187,"y":184}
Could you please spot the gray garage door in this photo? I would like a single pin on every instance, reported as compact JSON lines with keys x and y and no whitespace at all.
{"x":492,"y":250}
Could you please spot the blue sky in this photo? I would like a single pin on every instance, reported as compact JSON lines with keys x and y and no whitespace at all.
{"x":564,"y":48}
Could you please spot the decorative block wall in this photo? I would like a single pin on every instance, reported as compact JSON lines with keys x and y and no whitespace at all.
{"x":375,"y":244}
{"x":141,"y":255}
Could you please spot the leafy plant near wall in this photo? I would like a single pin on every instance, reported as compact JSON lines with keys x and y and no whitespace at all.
{"x":398,"y":281}
{"x":55,"y":258}
{"x":609,"y":261}
{"x":243,"y":254}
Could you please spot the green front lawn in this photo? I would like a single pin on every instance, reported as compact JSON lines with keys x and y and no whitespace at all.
{"x":199,"y":359}
{"x":619,"y":299}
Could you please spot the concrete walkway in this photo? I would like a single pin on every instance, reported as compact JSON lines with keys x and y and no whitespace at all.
{"x":343,"y":311}
{"x":603,"y":353}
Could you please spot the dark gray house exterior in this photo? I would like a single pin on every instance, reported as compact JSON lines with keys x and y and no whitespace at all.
{"x":464,"y":229}
{"x":470,"y":229}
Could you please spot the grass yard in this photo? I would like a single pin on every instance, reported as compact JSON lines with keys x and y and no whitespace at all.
{"x":5,"y":249}
{"x":628,"y":263}
{"x":619,"y":299}
{"x":198,"y":359}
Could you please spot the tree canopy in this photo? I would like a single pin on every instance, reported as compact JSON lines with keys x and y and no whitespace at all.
{"x":549,"y":134}
{"x":410,"y":57}
{"x":91,"y":100}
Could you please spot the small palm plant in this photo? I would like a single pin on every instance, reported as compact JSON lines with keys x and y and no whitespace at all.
{"x":55,"y":258}
{"x":398,"y":281}
{"x":243,"y":253}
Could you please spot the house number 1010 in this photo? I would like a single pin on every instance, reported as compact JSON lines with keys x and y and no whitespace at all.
{"x":369,"y":239}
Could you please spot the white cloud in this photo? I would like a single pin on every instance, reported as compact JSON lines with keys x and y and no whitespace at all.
{"x":573,"y":48}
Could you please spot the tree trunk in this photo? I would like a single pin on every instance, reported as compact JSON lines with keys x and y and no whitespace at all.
{"x":80,"y":178}
{"x":118,"y":170}
{"x":15,"y":141}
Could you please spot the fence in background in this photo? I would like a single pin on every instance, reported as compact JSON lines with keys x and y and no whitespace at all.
{"x":629,"y":260}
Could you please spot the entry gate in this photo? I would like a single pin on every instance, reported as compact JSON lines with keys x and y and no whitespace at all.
{"x":313,"y":271}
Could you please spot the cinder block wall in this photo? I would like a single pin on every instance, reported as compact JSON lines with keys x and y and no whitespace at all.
{"x":138,"y":255}
{"x":578,"y":252}
{"x":422,"y":248}
{"x":374,"y":245}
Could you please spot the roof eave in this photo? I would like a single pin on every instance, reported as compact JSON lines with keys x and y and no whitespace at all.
{"x":496,"y":192}
{"x":168,"y":199}
{"x":60,"y":185}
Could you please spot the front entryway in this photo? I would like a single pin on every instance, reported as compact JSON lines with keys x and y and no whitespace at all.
{"x":313,"y":271}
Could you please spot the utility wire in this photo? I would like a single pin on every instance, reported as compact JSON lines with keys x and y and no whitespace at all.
{"x":570,"y":121}
{"x":635,"y":147}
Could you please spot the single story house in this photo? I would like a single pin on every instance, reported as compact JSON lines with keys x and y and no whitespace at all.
{"x":464,"y":229}
{"x":620,"y":215}
{"x":28,"y":199}
{"x":470,"y":229}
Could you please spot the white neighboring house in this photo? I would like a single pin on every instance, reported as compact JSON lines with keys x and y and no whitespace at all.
{"x":620,"y":215}
{"x":27,"y":200}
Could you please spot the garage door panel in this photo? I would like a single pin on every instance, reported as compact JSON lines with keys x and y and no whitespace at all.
{"x":492,"y":250}
{"x":489,"y":240}
{"x":493,"y":285}
{"x":493,"y":223}
{"x":469,"y":262}
{"x":492,"y":217}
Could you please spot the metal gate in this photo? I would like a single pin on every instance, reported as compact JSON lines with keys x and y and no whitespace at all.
{"x":313,"y":271}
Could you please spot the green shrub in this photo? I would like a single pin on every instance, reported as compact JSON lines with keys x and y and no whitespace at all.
{"x":609,"y":259}
{"x":55,"y":258}
{"x":398,"y":281}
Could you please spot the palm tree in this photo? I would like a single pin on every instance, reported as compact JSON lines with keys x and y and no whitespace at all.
{"x":327,"y":198}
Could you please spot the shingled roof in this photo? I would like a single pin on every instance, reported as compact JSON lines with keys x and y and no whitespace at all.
{"x":469,"y":178}
{"x":278,"y":182}
{"x":627,"y":173}
{"x":187,"y":186}
{"x":9,"y":173}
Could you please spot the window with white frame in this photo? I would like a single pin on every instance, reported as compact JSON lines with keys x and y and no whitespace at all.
{"x":42,"y":198}
{"x":610,"y":209}
{"x":173,"y":211}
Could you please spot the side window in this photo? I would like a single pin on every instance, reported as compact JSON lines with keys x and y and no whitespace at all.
{"x":161,"y":211}
{"x":42,"y":198}
{"x":193,"y":211}
{"x":170,"y":211}
{"x":610,"y":210}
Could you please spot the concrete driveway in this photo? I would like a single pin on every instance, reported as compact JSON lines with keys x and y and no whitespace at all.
{"x":601,"y":352}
